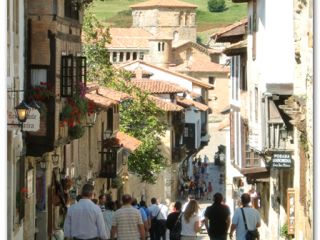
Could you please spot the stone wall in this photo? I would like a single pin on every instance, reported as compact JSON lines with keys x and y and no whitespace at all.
{"x":303,"y":88}
{"x":167,"y":21}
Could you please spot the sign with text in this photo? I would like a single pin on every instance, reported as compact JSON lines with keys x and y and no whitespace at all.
{"x":291,"y":210}
{"x":281,"y":160}
{"x":31,"y":125}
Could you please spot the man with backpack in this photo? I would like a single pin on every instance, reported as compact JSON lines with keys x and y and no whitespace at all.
{"x":158,"y":220}
{"x":173,"y":223}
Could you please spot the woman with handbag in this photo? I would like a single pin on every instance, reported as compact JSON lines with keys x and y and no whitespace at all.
{"x":191,"y":222}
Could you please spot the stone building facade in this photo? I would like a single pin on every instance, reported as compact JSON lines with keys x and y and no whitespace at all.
{"x":173,"y":19}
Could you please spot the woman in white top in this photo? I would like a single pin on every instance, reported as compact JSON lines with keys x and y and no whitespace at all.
{"x":191,"y":223}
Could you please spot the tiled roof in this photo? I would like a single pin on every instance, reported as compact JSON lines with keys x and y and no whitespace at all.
{"x":230,"y":28}
{"x":157,"y":86}
{"x":99,"y":100}
{"x":129,"y":38}
{"x":128,"y":142}
{"x":236,"y":48}
{"x":194,"y":95}
{"x":113,"y":94}
{"x":190,"y":102}
{"x":199,"y":47}
{"x":163,"y":3}
{"x":191,"y":79}
{"x":200,"y":65}
{"x":164,"y":105}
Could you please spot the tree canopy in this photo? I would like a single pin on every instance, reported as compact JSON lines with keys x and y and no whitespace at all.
{"x":139,"y":117}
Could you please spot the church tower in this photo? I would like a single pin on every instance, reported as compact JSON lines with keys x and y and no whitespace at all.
{"x":166,"y":18}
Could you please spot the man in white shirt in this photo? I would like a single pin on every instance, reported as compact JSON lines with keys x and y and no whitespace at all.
{"x":84,"y":219}
{"x":159,"y":212}
{"x":252,"y":217}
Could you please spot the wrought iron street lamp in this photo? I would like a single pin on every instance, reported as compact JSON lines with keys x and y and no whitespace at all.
{"x":283,"y":132}
{"x":91,"y":119}
{"x":22,"y":111}
{"x":55,"y":158}
{"x":107,"y":134}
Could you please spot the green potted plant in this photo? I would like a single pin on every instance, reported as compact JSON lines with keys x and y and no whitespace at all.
{"x":284,"y":232}
{"x":76,"y":131}
{"x":116,"y":182}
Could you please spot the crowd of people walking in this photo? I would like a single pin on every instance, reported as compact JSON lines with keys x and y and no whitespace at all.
{"x":197,"y":184}
{"x":106,"y":219}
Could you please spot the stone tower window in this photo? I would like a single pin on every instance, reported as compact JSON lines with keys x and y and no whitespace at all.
{"x":181,"y":19}
{"x":114,"y":57}
{"x":127,"y":56}
{"x":175,"y":36}
{"x":160,"y":46}
{"x":187,"y":16}
{"x":121,"y":57}
{"x":141,"y":55}
{"x":188,"y":54}
{"x":134,"y":56}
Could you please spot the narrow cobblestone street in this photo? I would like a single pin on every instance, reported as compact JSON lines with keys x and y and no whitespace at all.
{"x":213,"y":171}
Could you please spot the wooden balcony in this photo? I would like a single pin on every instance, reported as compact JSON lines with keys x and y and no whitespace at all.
{"x":179,"y":153}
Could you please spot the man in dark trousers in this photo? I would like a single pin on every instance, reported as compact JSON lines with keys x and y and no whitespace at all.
{"x":217,"y":219}
{"x":173,"y":217}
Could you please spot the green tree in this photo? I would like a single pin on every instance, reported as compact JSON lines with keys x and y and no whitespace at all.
{"x":139,"y":117}
{"x":216,"y":5}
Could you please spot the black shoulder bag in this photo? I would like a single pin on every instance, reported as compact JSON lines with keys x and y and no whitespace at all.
{"x":154,"y":220}
{"x":175,"y":232}
{"x":251,"y":234}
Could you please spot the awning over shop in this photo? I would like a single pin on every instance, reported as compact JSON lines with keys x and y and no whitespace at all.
{"x":280,"y":88}
{"x":256,"y":174}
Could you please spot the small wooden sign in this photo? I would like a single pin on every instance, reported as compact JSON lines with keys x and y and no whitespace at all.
{"x":291,"y":210}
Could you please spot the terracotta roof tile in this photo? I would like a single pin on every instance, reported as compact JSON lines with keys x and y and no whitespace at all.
{"x":190,"y":102}
{"x":158,"y":86}
{"x":128,"y":142}
{"x":113,"y":94}
{"x":129,"y":38}
{"x":231,"y":27}
{"x":191,"y":79}
{"x":200,"y":65}
{"x":163,"y":3}
{"x":164,"y":105}
{"x":236,"y":48}
{"x":100,"y":101}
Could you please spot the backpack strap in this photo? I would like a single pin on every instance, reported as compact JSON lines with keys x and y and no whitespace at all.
{"x":178,"y":219}
{"x":158,"y":213}
{"x":244,"y":219}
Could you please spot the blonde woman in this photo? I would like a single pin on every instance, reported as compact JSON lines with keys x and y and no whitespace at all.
{"x":191,"y":223}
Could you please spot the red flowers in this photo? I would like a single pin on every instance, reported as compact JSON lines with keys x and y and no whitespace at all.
{"x":40,"y":92}
{"x":24,"y":190}
{"x":76,"y":109}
